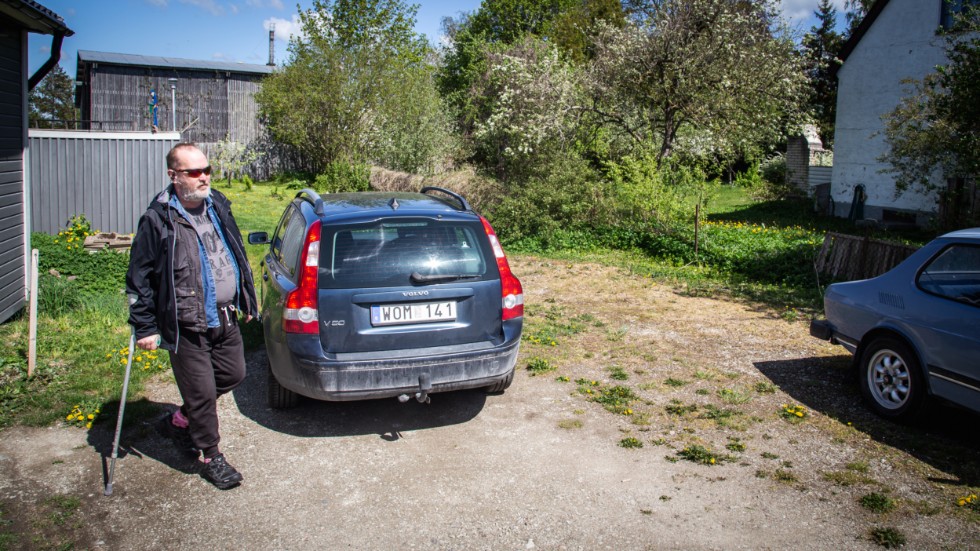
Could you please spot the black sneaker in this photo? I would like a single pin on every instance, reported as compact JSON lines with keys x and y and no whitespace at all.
{"x":220,"y":473}
{"x":180,"y":437}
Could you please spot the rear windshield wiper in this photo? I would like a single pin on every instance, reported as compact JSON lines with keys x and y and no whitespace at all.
{"x":439,"y":278}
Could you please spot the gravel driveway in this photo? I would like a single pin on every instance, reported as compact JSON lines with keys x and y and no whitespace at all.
{"x":540,"y":466}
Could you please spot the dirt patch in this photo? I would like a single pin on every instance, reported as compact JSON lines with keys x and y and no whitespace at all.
{"x":637,"y":388}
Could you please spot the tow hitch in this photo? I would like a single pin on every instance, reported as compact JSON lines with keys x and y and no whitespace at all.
{"x":425,"y":385}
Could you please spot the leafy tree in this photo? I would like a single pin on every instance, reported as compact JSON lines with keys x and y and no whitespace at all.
{"x":854,"y":12}
{"x":53,"y":99}
{"x":528,"y":99}
{"x":712,"y":68}
{"x":570,"y":24}
{"x":820,"y":48}
{"x":335,"y":97}
{"x":414,"y":132}
{"x":231,"y":158}
{"x":509,"y":20}
{"x":935,"y":130}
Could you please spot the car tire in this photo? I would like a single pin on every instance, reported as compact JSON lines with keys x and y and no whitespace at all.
{"x":279,"y":396}
{"x":501,"y":386}
{"x":891,"y":380}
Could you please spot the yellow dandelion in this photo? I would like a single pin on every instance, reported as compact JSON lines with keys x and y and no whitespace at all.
{"x":80,"y":417}
{"x":961,"y":502}
{"x":799,"y":414}
{"x":122,"y":361}
{"x":91,"y":416}
{"x":69,"y":418}
{"x":97,"y":411}
{"x":88,"y":425}
{"x":712,"y":460}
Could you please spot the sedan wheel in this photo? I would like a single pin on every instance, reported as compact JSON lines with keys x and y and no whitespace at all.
{"x":891,"y":380}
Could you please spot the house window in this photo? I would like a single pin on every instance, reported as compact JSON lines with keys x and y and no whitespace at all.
{"x":953,"y":8}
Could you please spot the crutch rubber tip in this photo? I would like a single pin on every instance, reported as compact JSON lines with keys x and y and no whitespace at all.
{"x":108,"y":489}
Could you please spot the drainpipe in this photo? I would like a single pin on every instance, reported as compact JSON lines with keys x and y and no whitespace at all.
{"x":42,"y":71}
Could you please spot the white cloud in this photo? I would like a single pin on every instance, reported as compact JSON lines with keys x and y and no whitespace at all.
{"x":233,"y":8}
{"x":285,"y":29}
{"x":157,"y":3}
{"x":799,"y":11}
{"x":206,"y":5}
{"x":277,"y":4}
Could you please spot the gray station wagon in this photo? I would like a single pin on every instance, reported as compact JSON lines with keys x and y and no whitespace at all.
{"x":374,"y":295}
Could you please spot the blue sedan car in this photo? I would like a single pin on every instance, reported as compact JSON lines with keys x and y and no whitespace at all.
{"x":915,"y":330}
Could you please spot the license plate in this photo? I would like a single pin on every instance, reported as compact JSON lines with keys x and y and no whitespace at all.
{"x":397,"y":314}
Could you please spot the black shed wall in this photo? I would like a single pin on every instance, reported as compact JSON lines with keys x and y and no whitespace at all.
{"x":12,"y":108}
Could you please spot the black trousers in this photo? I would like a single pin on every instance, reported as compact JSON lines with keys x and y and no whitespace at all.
{"x":206,"y":366}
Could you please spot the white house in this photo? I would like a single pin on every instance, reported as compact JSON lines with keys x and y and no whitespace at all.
{"x":897,"y":40}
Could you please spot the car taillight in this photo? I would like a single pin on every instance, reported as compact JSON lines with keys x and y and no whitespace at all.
{"x":300,"y":314}
{"x":511,"y":292}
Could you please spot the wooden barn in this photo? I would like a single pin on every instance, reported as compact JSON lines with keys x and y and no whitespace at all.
{"x":209,"y":101}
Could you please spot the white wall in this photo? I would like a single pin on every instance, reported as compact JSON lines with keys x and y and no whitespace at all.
{"x":902,"y":43}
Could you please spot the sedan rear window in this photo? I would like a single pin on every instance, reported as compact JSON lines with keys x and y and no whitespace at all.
{"x":399,"y":253}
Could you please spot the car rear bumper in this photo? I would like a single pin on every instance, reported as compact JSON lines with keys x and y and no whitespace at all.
{"x":329,"y":379}
{"x":821,"y":329}
{"x":825,"y":331}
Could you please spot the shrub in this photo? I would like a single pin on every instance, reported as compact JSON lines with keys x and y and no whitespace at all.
{"x":95,"y":273}
{"x":550,"y":206}
{"x":341,"y":176}
{"x":773,"y":169}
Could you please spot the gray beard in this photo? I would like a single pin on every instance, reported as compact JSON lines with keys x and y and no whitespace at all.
{"x":194,"y":195}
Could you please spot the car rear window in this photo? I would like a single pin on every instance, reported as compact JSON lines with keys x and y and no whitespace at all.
{"x":386,"y":254}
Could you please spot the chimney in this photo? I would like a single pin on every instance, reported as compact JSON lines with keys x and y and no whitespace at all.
{"x":272,"y":45}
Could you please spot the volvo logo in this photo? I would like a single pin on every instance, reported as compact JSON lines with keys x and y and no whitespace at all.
{"x":415,"y":293}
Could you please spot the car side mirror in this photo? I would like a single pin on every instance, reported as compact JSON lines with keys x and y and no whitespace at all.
{"x":258,"y":238}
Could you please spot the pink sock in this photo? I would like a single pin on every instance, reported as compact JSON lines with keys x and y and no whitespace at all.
{"x":179,"y":420}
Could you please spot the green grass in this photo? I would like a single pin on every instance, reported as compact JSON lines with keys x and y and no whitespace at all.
{"x":760,"y":251}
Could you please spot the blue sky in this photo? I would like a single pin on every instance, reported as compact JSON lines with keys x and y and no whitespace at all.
{"x":229,"y":30}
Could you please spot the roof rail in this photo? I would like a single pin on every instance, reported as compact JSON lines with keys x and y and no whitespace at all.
{"x":462,"y":202}
{"x":313,"y":198}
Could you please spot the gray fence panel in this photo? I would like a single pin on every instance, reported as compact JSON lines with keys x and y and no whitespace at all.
{"x":109,"y":177}
{"x":820,"y":175}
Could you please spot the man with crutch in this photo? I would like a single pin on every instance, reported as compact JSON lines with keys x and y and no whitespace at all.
{"x":191,"y":277}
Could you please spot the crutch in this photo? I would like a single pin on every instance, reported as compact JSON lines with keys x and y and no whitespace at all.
{"x":122,"y":404}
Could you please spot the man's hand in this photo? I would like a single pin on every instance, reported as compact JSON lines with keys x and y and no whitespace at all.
{"x":149,"y":343}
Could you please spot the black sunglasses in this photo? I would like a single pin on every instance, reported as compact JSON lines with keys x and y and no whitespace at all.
{"x":195,"y":172}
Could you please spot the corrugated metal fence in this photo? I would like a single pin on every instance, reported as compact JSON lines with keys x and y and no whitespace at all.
{"x":110,"y":177}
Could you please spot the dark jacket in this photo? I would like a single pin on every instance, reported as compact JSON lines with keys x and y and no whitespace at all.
{"x":165,"y":271}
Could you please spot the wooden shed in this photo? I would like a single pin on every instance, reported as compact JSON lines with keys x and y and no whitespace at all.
{"x":212,"y":100}
{"x":17,"y":19}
